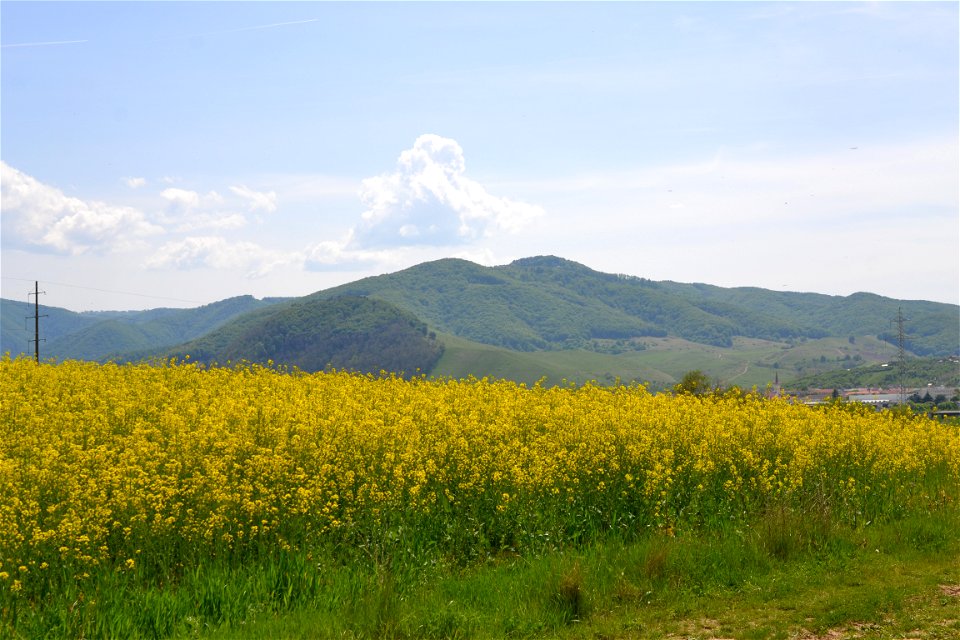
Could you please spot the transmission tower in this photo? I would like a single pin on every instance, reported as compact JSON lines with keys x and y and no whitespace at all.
{"x":901,"y":356}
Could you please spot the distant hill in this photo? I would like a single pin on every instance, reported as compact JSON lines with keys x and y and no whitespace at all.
{"x":541,"y":317}
{"x":348,"y":332}
{"x":548,"y":303}
{"x":490,"y":306}
{"x":102,"y":335}
{"x":16,"y":331}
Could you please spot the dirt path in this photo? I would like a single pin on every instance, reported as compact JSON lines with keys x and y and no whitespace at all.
{"x":746,"y":367}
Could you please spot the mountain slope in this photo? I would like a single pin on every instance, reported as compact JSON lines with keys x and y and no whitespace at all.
{"x":929,"y":323}
{"x":348,"y":332}
{"x":482,"y":305}
{"x":16,"y":331}
{"x":551,"y":303}
{"x":105,"y":334}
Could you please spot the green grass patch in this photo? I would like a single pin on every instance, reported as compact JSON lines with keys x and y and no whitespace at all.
{"x":879,"y":581}
{"x":786,"y":576}
{"x":662,"y":362}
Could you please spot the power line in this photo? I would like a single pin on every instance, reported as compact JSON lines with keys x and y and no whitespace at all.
{"x":127,"y":293}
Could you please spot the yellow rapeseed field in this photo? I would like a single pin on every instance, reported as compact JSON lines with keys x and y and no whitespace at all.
{"x":110,"y":467}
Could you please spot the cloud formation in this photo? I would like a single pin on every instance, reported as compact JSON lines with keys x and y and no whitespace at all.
{"x":429,"y":200}
{"x":218,"y":253}
{"x":426,"y":205}
{"x":37,"y":215}
{"x":188,"y":210}
{"x":257,"y":200}
{"x":184,"y":200}
{"x":334,"y":255}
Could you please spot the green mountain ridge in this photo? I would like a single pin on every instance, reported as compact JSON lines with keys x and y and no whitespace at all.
{"x":547,"y":302}
{"x":101,"y":335}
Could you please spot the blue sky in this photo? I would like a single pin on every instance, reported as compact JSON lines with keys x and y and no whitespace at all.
{"x":177,"y":153}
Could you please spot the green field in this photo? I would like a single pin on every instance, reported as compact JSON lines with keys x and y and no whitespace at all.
{"x":662,"y":362}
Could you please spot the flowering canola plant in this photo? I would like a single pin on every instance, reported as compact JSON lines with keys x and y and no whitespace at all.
{"x":118,"y":467}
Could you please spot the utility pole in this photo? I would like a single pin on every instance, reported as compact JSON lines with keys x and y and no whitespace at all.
{"x":36,"y":319}
{"x":901,"y":356}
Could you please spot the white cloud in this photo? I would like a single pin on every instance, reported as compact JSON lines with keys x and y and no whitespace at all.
{"x":188,"y":210}
{"x":257,"y":200}
{"x":181,"y":198}
{"x":333,"y":255}
{"x":428,"y":200}
{"x":212,"y":221}
{"x":219,"y":253}
{"x":426,"y":206}
{"x":38,"y":215}
{"x":135,"y":183}
{"x":184,"y":200}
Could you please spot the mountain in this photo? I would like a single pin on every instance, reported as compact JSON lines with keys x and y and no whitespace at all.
{"x":347,"y":332}
{"x":17,"y":325}
{"x":548,"y":303}
{"x":101,"y":335}
{"x":539,"y":317}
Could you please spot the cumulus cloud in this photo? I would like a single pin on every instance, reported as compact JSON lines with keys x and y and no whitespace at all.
{"x":257,"y":200}
{"x":332,"y":255}
{"x":219,"y":253}
{"x":38,"y":215}
{"x":188,"y":210}
{"x":135,"y":183}
{"x":184,"y":200}
{"x":429,"y":200}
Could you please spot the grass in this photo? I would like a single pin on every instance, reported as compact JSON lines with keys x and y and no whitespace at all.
{"x":662,"y":362}
{"x":895,"y":580}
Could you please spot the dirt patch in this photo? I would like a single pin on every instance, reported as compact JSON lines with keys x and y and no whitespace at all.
{"x":703,"y":628}
{"x":952,"y":590}
{"x":856,"y":631}
{"x":832,"y":634}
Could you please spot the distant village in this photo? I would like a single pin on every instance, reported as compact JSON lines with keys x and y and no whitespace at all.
{"x":936,"y":401}
{"x":882,"y":397}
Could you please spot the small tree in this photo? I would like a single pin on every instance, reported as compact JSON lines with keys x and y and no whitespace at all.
{"x":695,"y":383}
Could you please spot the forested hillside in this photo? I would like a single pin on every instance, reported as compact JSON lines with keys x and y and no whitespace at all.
{"x":102,"y":335}
{"x":349,"y":332}
{"x":551,"y":303}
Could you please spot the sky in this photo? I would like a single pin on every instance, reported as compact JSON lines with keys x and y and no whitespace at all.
{"x":178,"y":153}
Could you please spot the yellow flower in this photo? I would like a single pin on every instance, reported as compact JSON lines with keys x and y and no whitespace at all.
{"x":98,"y":461}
